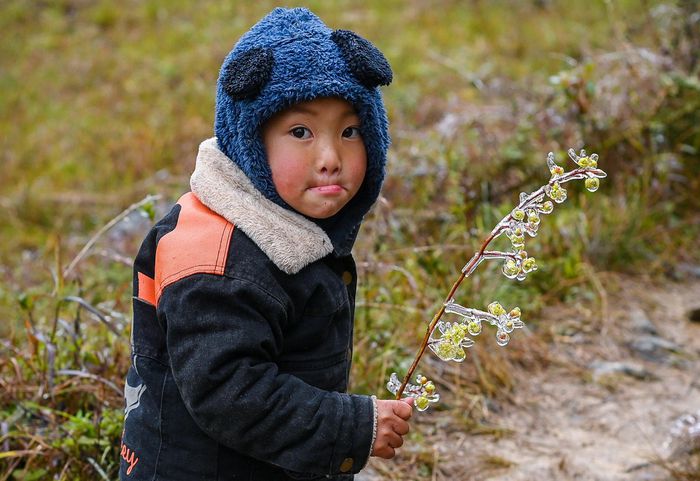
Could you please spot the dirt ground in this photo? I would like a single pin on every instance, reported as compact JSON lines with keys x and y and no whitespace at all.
{"x":602,"y":409}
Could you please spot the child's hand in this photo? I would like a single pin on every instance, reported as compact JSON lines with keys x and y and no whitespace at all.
{"x":392,"y":425}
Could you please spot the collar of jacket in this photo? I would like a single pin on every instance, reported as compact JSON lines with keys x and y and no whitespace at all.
{"x":290,"y":240}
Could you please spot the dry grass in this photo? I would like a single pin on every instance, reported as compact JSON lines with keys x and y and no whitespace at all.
{"x":103,"y":103}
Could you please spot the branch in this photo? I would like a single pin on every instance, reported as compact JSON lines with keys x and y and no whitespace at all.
{"x":524,"y":218}
{"x":83,"y":252}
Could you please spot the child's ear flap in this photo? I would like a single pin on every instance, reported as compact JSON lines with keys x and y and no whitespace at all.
{"x":365,"y":61}
{"x":246,"y":75}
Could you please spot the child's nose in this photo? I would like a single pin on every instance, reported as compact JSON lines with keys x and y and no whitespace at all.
{"x":329,"y":159}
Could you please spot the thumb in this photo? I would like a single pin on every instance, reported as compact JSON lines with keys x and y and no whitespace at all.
{"x":403,"y":408}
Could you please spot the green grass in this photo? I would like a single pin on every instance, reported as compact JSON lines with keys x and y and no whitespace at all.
{"x":102,"y":103}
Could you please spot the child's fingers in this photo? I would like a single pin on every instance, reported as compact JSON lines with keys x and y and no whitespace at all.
{"x":396,"y":442}
{"x":386,"y":444}
{"x":402,"y":409}
{"x":390,"y":438}
{"x":386,"y":452}
{"x":401,"y":428}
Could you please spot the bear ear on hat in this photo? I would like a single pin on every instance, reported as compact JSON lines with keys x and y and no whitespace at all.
{"x":246,"y":75}
{"x":367,"y":64}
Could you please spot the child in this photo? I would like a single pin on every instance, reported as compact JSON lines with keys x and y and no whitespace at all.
{"x":244,"y":293}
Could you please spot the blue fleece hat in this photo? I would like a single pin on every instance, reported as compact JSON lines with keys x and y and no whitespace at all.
{"x":288,"y":57}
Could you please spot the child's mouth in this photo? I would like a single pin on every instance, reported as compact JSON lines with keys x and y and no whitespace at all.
{"x":327,"y":189}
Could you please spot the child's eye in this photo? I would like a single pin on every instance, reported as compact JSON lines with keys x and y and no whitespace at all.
{"x":300,"y":132}
{"x":351,"y":132}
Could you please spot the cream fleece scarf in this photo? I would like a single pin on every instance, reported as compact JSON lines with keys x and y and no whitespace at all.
{"x":290,"y":240}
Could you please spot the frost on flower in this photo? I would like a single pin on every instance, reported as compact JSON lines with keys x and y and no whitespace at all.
{"x":450,"y":345}
{"x":449,"y":339}
{"x":423,"y":392}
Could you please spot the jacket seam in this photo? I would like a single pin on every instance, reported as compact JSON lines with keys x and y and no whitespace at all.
{"x":233,"y":278}
{"x":218,"y":250}
{"x":152,"y":358}
{"x":165,"y":282}
{"x":142,"y":301}
{"x":160,"y":426}
{"x":315,"y":313}
{"x":257,"y":285}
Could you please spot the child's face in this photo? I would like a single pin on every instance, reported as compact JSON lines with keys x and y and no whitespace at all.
{"x":316,"y":155}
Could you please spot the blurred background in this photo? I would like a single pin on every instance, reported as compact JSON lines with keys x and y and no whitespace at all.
{"x":103,"y":105}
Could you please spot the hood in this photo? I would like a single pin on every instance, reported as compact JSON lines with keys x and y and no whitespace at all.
{"x":291,"y":56}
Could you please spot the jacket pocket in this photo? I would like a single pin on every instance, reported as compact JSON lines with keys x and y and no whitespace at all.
{"x":147,"y":334}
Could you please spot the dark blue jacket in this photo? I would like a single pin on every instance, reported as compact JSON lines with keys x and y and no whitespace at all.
{"x":240,"y":361}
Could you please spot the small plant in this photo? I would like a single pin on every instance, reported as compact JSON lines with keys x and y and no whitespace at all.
{"x":449,"y":339}
{"x":682,"y":457}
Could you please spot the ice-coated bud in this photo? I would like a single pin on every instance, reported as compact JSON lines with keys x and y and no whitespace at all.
{"x":502,"y":338}
{"x":422,"y":403}
{"x":547,"y":207}
{"x":531,"y":229}
{"x":423,"y":394}
{"x":533,"y":217}
{"x":592,"y":184}
{"x":529,"y":264}
{"x":421,"y":379}
{"x":474,"y":328}
{"x":584,"y":162}
{"x":444,"y":350}
{"x":508,"y":326}
{"x":456,"y":333}
{"x":518,"y":214}
{"x":510,"y":269}
{"x":515,"y":313}
{"x":459,"y":354}
{"x":518,"y":242}
{"x":551,"y":191}
{"x":556,"y":192}
{"x":556,"y":171}
{"x":496,"y":308}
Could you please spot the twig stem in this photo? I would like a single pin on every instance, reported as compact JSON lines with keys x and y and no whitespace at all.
{"x":483,"y":254}
{"x":431,"y":327}
{"x":83,"y":252}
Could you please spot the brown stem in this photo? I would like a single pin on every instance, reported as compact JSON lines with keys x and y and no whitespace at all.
{"x":467,"y":270}
{"x":431,"y":327}
{"x":83,"y":252}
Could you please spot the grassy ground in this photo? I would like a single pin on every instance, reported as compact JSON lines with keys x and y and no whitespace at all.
{"x":103,"y":103}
